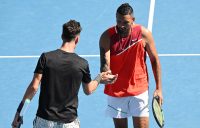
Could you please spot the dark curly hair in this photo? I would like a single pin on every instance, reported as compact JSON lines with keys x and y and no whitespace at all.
{"x":125,"y":9}
{"x":70,"y":30}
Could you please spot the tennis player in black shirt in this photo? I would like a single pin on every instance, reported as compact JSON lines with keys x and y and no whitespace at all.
{"x":60,"y":73}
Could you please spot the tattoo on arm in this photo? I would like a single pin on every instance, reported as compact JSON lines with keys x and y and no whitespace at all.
{"x":98,"y":78}
{"x":104,"y":65}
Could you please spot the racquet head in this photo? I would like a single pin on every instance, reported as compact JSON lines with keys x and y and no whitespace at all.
{"x":157,"y":112}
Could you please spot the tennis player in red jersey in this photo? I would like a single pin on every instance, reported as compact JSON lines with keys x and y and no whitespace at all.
{"x":123,"y":51}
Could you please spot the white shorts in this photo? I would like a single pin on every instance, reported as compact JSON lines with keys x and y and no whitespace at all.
{"x":123,"y":107}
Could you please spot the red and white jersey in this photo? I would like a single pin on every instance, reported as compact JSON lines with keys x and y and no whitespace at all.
{"x":127,"y":59}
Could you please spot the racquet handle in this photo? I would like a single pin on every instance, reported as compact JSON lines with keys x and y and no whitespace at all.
{"x":20,"y":120}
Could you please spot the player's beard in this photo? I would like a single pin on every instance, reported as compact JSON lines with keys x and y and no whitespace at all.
{"x":123,"y":31}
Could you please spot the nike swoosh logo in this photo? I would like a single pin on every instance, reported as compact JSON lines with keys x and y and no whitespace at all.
{"x":134,"y":40}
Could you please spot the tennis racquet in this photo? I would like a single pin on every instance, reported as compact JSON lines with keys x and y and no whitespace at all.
{"x":20,"y":119}
{"x":157,"y":112}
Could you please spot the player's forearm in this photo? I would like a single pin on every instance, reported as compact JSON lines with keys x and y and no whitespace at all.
{"x":30,"y":92}
{"x":104,"y":68}
{"x":33,"y":87}
{"x":104,"y":60}
{"x":157,"y":73}
{"x":103,"y":78}
{"x":91,"y":87}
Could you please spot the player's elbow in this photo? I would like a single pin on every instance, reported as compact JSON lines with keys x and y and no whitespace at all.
{"x":34,"y":88}
{"x":154,"y":60}
{"x":35,"y":82}
{"x":88,"y":91}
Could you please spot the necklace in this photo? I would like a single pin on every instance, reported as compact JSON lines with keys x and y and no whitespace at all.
{"x":123,"y":44}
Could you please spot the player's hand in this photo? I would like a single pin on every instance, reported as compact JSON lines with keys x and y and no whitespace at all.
{"x":16,"y":121}
{"x":158,"y":93}
{"x":108,"y":77}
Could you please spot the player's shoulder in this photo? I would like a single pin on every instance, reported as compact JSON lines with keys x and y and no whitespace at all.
{"x":52,"y":54}
{"x":105,"y":38}
{"x":81,"y":59}
{"x":145,"y":31}
{"x":108,"y":31}
{"x":82,"y":62}
{"x":49,"y":53}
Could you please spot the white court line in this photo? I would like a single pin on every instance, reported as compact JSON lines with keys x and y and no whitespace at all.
{"x":168,"y":55}
{"x":151,"y":14}
{"x":91,"y":56}
{"x":7,"y":57}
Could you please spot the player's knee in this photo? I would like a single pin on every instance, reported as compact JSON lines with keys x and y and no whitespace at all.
{"x":141,"y":122}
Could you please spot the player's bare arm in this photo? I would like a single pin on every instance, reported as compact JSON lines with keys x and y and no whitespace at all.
{"x":33,"y":87}
{"x":104,"y":45}
{"x":30,"y":92}
{"x":103,"y":77}
{"x":151,"y":50}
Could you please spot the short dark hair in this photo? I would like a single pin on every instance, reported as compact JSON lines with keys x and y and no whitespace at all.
{"x":125,"y":9}
{"x":70,"y":30}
